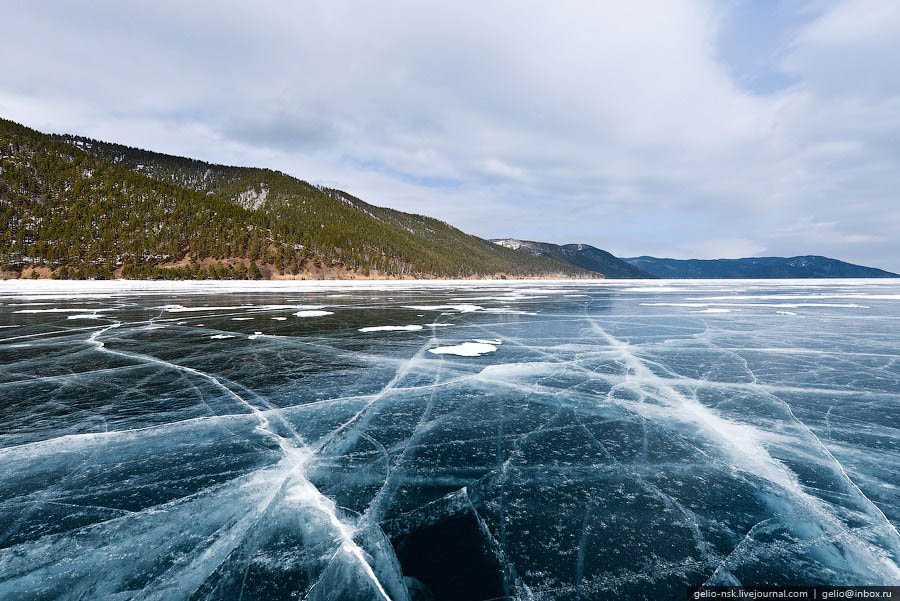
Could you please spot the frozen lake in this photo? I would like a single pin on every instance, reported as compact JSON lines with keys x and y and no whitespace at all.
{"x":446,"y":440}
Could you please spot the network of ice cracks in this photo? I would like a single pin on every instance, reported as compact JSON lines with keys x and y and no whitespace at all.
{"x":446,"y":440}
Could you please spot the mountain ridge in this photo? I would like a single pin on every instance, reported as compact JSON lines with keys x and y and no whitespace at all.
{"x":583,"y":256}
{"x":801,"y":266}
{"x":590,"y":258}
{"x":75,"y":207}
{"x":72,"y":206}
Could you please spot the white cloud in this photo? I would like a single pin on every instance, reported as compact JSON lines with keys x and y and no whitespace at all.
{"x":615,"y":124}
{"x":812,"y":231}
{"x":725,"y":248}
{"x":498,"y":168}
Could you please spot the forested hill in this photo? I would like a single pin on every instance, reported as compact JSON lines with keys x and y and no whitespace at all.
{"x":810,"y":266}
{"x":75,"y":207}
{"x":584,"y":256}
{"x":187,"y":173}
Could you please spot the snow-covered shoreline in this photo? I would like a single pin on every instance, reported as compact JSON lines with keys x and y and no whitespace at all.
{"x":105,"y":288}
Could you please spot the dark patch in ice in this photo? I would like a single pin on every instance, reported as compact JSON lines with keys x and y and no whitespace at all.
{"x":447,"y":553}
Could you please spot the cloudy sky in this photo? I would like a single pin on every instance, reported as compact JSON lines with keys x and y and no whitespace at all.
{"x":672,"y":128}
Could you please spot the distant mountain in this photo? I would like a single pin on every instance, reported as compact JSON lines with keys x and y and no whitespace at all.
{"x":578,"y":255}
{"x":810,"y":266}
{"x":76,"y":207}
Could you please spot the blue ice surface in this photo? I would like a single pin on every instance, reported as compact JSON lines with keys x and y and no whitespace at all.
{"x":569,"y":440}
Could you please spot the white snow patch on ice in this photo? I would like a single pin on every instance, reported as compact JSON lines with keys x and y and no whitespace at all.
{"x":466,"y":349}
{"x":55,"y":310}
{"x":409,"y":328}
{"x":655,"y":289}
{"x":674,"y":304}
{"x":784,"y":305}
{"x":183,"y":309}
{"x":796,"y":297}
{"x":285,"y":307}
{"x":464,"y":308}
{"x":467,"y":308}
{"x":544,"y":290}
{"x":502,"y":298}
{"x":313,"y":313}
